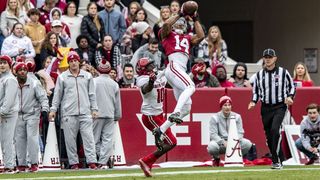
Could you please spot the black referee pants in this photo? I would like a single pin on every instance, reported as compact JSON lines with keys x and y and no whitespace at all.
{"x":272,"y":117}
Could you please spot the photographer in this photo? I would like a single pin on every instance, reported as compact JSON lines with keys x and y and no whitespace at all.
{"x":309,"y":142}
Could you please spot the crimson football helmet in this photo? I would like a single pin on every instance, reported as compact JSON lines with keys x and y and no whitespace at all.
{"x":142,"y":66}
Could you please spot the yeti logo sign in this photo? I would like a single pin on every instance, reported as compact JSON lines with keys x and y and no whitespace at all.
{"x":235,"y":148}
{"x":201,"y":118}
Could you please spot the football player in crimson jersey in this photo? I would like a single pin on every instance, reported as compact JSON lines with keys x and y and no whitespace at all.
{"x":177,"y":43}
{"x":152,"y":85}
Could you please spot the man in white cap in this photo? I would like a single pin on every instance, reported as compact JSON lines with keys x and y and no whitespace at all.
{"x":109,"y":105}
{"x":143,"y":35}
{"x":75,"y":93}
{"x":56,"y":27}
{"x":219,"y":127}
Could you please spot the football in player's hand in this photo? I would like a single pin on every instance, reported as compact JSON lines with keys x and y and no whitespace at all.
{"x":189,"y":8}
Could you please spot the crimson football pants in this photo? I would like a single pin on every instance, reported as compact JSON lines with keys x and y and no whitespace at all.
{"x":152,"y":122}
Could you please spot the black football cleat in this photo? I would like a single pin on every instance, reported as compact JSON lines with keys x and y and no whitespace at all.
{"x":157,"y":137}
{"x":175,"y":118}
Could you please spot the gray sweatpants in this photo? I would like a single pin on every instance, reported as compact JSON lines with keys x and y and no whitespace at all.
{"x":27,"y":139}
{"x":7,"y":128}
{"x":71,"y":126}
{"x":103,"y":130}
{"x":215,"y":150}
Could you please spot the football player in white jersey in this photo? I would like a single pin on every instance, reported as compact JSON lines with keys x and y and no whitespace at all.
{"x":152,"y":88}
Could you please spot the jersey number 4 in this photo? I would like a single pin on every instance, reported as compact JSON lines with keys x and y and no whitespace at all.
{"x":160,"y":95}
{"x":183,"y":43}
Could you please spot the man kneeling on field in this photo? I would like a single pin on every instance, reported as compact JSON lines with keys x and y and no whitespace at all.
{"x":309,"y":142}
{"x":219,"y":126}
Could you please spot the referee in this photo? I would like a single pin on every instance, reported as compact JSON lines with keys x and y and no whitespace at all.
{"x":274,"y":86}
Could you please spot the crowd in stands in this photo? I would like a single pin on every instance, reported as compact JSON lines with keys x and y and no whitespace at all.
{"x":120,"y":35}
{"x":44,"y":31}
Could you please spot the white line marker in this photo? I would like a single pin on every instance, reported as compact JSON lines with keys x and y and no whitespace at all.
{"x":166,"y":173}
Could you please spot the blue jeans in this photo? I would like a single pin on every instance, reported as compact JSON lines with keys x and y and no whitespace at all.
{"x":304,"y":150}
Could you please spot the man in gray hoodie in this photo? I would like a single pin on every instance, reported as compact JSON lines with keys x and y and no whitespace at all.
{"x":309,"y":142}
{"x":9,"y":105}
{"x":219,"y":126}
{"x":33,"y":100}
{"x":75,"y":92}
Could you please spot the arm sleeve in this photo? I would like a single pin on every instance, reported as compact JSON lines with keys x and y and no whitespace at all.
{"x":118,"y":110}
{"x":304,"y":139}
{"x":98,"y":55}
{"x":136,"y":42}
{"x":224,"y":49}
{"x":118,"y":56}
{"x":11,"y":91}
{"x":41,"y":95}
{"x":123,"y":26}
{"x":92,"y":95}
{"x":213,"y":129}
{"x":201,"y":50}
{"x":3,"y":24}
{"x":84,"y":30}
{"x":31,"y":52}
{"x":58,"y":94}
{"x":255,"y":89}
{"x":290,"y":86}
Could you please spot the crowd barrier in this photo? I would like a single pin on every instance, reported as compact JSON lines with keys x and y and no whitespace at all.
{"x":193,"y":134}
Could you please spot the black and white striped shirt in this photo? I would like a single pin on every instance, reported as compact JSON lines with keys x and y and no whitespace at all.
{"x":272,"y":87}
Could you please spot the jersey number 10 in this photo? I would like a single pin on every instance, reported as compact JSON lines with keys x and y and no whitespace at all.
{"x":160,"y":95}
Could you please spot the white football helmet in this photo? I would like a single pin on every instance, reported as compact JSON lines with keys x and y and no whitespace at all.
{"x":180,"y":26}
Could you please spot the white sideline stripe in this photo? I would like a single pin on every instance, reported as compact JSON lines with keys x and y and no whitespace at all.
{"x":167,"y":173}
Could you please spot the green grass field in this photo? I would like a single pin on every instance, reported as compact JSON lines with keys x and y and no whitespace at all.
{"x":196,"y":173}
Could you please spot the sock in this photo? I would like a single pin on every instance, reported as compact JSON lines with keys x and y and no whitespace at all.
{"x":166,"y":125}
{"x":150,"y":159}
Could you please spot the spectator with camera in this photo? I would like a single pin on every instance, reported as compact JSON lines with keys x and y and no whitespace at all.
{"x":309,"y":142}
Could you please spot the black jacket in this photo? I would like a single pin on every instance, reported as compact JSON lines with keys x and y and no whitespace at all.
{"x":138,"y":41}
{"x":89,"y":29}
{"x":44,"y":53}
{"x":90,"y":55}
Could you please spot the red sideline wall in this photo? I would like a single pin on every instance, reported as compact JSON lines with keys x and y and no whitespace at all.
{"x":193,"y":134}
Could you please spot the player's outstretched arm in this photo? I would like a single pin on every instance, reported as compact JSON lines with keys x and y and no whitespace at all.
{"x":149,"y":86}
{"x":167,"y":26}
{"x":198,"y":37}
